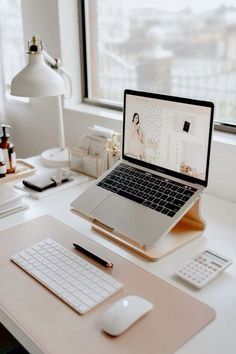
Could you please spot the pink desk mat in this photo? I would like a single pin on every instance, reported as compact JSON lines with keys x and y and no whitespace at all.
{"x":56,"y":328}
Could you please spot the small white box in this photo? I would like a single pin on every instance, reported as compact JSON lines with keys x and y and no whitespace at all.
{"x":91,"y":165}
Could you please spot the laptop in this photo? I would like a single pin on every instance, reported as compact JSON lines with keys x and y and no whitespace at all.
{"x":163,"y":169}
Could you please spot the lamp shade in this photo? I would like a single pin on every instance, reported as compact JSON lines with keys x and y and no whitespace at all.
{"x":37,"y":79}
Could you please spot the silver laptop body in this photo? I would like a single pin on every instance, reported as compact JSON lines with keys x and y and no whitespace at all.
{"x":163,"y":170}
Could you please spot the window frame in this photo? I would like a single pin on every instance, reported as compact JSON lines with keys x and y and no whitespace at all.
{"x":222,"y":126}
{"x":84,"y":67}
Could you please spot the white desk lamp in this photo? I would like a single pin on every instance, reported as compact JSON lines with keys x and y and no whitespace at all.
{"x":40,"y":78}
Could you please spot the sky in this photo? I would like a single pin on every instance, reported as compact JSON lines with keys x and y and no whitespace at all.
{"x":197,"y":6}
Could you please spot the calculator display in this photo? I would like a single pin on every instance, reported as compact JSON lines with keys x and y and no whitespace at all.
{"x":215,"y":258}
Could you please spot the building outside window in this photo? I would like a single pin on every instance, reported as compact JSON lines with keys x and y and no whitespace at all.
{"x":183,"y":48}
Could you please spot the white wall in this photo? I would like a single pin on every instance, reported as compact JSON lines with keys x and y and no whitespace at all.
{"x":222,"y":175}
{"x":35,"y":123}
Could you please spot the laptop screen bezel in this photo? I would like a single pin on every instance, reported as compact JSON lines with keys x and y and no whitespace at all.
{"x":160,"y":168}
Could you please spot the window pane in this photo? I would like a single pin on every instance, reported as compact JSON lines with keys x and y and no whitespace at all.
{"x":11,"y":39}
{"x":184,"y":48}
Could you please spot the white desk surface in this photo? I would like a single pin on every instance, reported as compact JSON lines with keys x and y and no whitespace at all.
{"x":220,"y":235}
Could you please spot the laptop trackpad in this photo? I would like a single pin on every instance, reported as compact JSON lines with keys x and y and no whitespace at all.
{"x":130,"y":219}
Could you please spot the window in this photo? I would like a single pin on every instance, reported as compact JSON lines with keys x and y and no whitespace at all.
{"x":184,"y":48}
{"x":11,"y":39}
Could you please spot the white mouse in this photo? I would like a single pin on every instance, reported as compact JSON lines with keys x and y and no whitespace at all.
{"x":121,"y":315}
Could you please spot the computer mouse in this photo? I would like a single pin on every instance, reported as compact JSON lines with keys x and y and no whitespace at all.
{"x":121,"y":315}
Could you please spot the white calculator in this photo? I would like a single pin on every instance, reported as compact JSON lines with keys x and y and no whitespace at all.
{"x":203,"y":268}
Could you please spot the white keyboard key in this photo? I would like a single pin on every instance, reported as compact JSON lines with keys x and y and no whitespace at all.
{"x":76,"y":281}
{"x":82,"y":308}
{"x":86,"y":300}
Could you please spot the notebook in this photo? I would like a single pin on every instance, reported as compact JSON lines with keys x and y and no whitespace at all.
{"x":163,"y":170}
{"x":11,"y":201}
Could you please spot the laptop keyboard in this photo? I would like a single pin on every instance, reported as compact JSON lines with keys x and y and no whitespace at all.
{"x":155,"y":192}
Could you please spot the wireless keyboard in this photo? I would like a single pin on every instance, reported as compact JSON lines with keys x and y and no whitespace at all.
{"x":76,"y":281}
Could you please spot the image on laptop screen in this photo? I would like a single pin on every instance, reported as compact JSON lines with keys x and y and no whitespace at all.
{"x":169,"y":134}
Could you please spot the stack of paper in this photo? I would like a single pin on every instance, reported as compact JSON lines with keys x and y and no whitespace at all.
{"x":11,"y":200}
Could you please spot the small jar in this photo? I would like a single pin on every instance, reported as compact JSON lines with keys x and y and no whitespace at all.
{"x":3,"y":167}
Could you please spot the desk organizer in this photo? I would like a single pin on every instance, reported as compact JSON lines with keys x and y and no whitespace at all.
{"x":91,"y":165}
{"x":187,"y":229}
{"x":23,"y":169}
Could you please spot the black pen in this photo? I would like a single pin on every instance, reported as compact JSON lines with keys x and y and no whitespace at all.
{"x":93,"y":256}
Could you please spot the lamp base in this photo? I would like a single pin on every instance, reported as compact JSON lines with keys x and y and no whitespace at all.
{"x":56,"y":157}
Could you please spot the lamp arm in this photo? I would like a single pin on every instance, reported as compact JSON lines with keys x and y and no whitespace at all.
{"x":55,"y":63}
{"x":52,"y":62}
{"x":67,"y":75}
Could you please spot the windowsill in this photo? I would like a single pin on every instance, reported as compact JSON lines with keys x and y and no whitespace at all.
{"x":112,"y":115}
{"x":224,"y":137}
{"x":95,"y":111}
{"x":116,"y":116}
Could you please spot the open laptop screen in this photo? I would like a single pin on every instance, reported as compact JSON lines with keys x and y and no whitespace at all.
{"x":168,"y":134}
